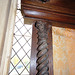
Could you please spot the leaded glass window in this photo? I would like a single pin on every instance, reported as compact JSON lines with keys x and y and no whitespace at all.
{"x":21,"y":49}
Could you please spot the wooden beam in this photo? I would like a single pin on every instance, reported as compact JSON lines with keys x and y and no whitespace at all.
{"x":48,"y":11}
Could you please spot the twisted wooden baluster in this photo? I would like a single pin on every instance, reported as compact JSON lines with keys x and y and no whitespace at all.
{"x":42,"y":55}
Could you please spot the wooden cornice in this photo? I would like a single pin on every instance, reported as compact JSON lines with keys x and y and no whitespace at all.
{"x":48,"y":11}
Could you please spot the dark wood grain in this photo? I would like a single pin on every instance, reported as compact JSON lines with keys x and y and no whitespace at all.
{"x":30,"y":20}
{"x":50,"y":51}
{"x":33,"y":51}
{"x":59,"y":6}
{"x":40,"y":14}
{"x":49,"y":11}
{"x":33,"y":63}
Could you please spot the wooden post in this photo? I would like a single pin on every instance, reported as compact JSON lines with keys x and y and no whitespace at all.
{"x":42,"y":52}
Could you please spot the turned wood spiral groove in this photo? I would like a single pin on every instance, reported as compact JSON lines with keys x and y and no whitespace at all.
{"x":42,"y":54}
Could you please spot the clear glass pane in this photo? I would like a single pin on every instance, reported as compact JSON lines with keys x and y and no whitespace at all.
{"x":15,"y":60}
{"x":21,"y":54}
{"x":16,"y":47}
{"x":26,"y":60}
{"x":14,"y":72}
{"x":20,"y":67}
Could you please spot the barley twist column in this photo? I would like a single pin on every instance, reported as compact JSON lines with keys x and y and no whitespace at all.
{"x":42,"y":50}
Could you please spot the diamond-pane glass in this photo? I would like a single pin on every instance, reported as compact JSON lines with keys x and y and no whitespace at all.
{"x":21,"y":49}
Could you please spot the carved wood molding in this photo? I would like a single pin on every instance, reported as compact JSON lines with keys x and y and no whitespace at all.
{"x":42,"y":54}
{"x":57,"y":7}
{"x":48,"y":12}
{"x":42,"y":14}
